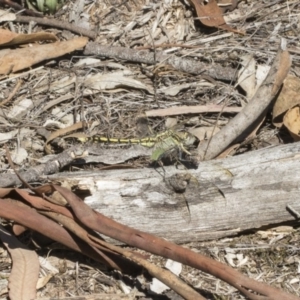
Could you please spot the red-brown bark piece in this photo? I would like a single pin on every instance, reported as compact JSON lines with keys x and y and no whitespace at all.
{"x":22,"y":214}
{"x":210,"y":14}
{"x":155,"y":245}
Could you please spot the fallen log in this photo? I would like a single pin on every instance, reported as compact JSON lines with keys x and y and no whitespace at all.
{"x":225,"y":196}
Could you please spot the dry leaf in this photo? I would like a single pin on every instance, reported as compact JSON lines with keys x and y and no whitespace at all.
{"x":25,"y":269}
{"x":231,"y":150}
{"x":170,"y":122}
{"x":13,"y":60}
{"x":4,"y":137}
{"x":203,"y":133}
{"x":43,"y":281}
{"x":210,"y":14}
{"x":233,"y":16}
{"x":114,"y":80}
{"x":252,"y":75}
{"x":287,"y":99}
{"x":157,"y":286}
{"x":8,"y":38}
{"x":173,"y":90}
{"x":19,"y":155}
{"x":20,"y":109}
{"x":47,"y":266}
{"x":226,"y":5}
{"x":6,"y":16}
{"x":179,"y":110}
{"x":291,"y":121}
{"x":247,"y":75}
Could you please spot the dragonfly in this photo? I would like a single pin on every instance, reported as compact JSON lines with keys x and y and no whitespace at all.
{"x":162,"y":143}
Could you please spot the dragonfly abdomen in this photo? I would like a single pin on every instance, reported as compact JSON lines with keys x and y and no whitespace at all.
{"x":146,"y":142}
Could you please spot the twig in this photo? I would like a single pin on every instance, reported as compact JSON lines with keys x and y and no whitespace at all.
{"x":170,"y":45}
{"x":15,"y":170}
{"x":57,"y":24}
{"x":293,"y":211}
{"x":143,"y":56}
{"x":97,"y":296}
{"x":154,"y":70}
{"x":11,"y":95}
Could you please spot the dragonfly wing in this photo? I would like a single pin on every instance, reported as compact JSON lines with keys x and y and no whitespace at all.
{"x":142,"y":127}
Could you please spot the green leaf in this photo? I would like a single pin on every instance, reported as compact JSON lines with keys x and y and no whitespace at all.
{"x":45,"y":6}
{"x":40,"y":5}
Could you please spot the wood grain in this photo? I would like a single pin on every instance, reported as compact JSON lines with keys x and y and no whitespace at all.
{"x":230,"y":195}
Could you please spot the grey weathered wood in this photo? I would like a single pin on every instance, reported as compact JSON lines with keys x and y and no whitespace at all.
{"x":233,"y":194}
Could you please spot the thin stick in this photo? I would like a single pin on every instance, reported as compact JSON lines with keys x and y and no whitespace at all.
{"x":154,"y":70}
{"x":57,"y":24}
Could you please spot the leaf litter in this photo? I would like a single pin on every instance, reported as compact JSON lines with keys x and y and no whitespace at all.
{"x":64,"y":89}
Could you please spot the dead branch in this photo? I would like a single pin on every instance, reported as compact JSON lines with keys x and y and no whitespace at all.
{"x":147,"y":57}
{"x":35,"y":173}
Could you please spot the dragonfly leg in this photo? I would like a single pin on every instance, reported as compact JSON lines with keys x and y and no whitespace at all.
{"x":182,"y":150}
{"x":163,"y":175}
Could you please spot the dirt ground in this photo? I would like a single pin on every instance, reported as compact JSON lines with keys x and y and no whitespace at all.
{"x":271,"y":256}
{"x":61,"y":96}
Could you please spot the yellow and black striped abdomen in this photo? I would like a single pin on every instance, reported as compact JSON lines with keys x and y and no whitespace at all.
{"x":179,"y":139}
{"x":146,"y":142}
